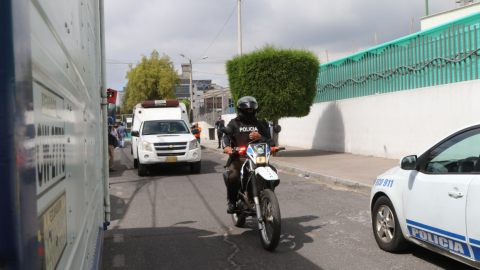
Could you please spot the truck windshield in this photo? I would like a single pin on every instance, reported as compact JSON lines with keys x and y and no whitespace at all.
{"x":164,"y":127}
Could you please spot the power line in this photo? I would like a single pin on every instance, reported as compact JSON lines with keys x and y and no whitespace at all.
{"x":218,"y":33}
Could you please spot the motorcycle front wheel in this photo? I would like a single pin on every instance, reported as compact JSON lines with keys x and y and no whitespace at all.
{"x":270,"y":234}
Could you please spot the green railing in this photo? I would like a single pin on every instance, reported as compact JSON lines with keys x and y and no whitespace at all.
{"x":444,"y":54}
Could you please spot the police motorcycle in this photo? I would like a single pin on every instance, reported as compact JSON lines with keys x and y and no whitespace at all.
{"x":256,"y":197}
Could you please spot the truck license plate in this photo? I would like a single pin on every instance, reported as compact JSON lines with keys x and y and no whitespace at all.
{"x":171,"y":159}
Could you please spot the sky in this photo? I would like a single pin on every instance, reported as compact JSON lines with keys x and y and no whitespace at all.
{"x":173,"y":27}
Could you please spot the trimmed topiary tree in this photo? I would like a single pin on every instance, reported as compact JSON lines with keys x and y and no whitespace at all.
{"x":283,"y":81}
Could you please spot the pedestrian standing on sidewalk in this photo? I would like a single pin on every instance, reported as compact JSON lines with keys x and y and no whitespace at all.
{"x":111,"y":151}
{"x":121,"y":131}
{"x":199,"y":131}
{"x":113,"y":132}
{"x":219,"y":125}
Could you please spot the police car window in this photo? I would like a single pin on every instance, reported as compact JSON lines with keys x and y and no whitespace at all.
{"x":164,"y":127}
{"x":457,"y":155}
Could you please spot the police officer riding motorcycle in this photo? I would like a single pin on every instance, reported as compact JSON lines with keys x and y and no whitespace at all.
{"x":249,"y":178}
{"x":245,"y":128}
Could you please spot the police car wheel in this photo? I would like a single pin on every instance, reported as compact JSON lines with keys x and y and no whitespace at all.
{"x":135,"y":163}
{"x":196,"y":167}
{"x":386,"y":227}
{"x":142,"y":169}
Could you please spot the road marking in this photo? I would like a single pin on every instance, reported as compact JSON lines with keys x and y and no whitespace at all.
{"x":119,"y":187}
{"x":118,"y":238}
{"x":119,"y":260}
{"x":119,"y":193}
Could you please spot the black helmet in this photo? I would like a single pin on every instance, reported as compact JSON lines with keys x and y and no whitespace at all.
{"x":245,"y":103}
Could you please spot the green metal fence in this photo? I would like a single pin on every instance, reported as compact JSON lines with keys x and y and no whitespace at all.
{"x":444,"y":54}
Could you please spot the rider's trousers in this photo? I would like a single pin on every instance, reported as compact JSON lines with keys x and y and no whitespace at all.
{"x":233,"y":180}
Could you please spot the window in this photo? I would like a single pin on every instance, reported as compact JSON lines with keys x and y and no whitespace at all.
{"x":457,"y":155}
{"x":164,"y":127}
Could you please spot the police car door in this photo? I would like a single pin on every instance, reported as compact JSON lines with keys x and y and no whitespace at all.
{"x":473,"y":216}
{"x":435,"y":198}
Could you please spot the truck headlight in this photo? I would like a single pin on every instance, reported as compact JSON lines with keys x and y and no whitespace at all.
{"x":193,"y":144}
{"x":146,"y":146}
{"x":261,"y":160}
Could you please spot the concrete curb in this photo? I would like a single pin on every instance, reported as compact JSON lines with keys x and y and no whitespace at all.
{"x":349,"y":184}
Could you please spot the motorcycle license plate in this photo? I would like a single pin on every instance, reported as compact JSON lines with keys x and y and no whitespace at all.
{"x":171,"y":159}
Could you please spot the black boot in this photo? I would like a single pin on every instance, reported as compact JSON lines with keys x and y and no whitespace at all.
{"x":232,"y":200}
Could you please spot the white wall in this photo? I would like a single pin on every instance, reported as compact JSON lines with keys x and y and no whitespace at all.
{"x":389,"y":125}
{"x":449,"y":15}
{"x":228,"y":117}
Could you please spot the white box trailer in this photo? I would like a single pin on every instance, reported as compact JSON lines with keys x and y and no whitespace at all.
{"x":54,"y":195}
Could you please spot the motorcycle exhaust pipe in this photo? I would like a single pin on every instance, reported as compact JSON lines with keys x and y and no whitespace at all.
{"x":246,"y":201}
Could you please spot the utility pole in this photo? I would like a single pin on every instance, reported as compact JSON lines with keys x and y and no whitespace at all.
{"x":376,"y":43}
{"x":239,"y":27}
{"x":191,"y":90}
{"x":411,"y":27}
{"x":426,"y":7}
{"x":327,"y":55}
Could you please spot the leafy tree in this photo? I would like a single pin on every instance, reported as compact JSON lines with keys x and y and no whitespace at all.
{"x":283,"y":81}
{"x":152,"y":78}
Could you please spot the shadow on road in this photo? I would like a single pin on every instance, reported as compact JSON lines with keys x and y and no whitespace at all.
{"x":180,"y":247}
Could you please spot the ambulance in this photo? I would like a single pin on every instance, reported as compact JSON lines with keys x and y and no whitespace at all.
{"x":161,"y":135}
{"x":433,"y":199}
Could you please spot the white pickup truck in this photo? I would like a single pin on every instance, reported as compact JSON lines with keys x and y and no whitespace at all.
{"x":161,"y":134}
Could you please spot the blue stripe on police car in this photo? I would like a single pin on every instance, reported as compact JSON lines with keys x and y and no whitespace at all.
{"x":475,"y":244}
{"x":440,"y":240}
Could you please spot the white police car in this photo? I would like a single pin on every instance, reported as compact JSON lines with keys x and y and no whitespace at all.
{"x":433,"y":200}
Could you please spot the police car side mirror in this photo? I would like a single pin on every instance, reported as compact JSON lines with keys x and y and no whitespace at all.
{"x":409,"y":163}
{"x":227,"y":130}
{"x":135,"y":133}
{"x":277,"y":129}
{"x":195,"y":131}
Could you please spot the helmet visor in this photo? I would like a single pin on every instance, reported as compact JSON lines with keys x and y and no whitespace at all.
{"x":247,"y":103}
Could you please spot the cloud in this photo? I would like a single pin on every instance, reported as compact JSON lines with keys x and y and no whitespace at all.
{"x":188,"y":27}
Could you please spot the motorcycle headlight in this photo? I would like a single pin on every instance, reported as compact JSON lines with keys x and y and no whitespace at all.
{"x":261,"y":160}
{"x":193,"y":144}
{"x":146,"y":146}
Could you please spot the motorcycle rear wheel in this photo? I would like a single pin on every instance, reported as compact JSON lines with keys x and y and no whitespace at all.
{"x":270,"y":234}
{"x":238,"y":220}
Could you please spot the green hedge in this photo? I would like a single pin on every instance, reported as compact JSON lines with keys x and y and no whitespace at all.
{"x":282,"y":80}
{"x":187,"y":104}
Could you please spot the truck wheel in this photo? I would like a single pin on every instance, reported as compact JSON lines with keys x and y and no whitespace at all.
{"x":386,"y":227}
{"x":195,"y":167}
{"x":142,"y":169}
{"x":135,"y":163}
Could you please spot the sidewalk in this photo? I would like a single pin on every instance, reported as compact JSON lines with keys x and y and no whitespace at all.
{"x":354,"y":172}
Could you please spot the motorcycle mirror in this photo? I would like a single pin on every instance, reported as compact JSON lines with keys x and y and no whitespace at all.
{"x":227,"y":130}
{"x":277,"y":129}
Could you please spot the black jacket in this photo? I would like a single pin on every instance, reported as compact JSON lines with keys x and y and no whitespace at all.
{"x":222,"y":125}
{"x":111,"y":139}
{"x":260,"y":127}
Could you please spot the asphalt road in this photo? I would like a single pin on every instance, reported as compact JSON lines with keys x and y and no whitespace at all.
{"x":175,"y":220}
